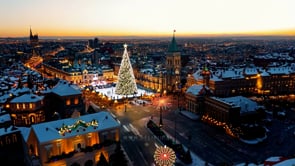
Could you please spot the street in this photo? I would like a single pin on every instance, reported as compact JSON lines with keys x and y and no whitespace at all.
{"x":209,"y":143}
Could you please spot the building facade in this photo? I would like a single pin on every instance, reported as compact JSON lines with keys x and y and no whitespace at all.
{"x":13,"y":148}
{"x":63,"y":99}
{"x":247,"y":81}
{"x":26,"y":109}
{"x":173,"y":66}
{"x":74,"y":140}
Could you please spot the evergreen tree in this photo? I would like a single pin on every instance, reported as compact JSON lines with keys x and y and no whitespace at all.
{"x":126,"y":84}
{"x":102,"y":161}
{"x":188,"y":157}
{"x":88,"y":163}
{"x":118,"y":158}
{"x":19,"y":84}
{"x":30,"y":81}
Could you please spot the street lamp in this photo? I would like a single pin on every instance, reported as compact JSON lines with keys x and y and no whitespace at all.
{"x":175,"y":127}
{"x":161,"y":121}
{"x":161,"y":110}
{"x":125,"y":103}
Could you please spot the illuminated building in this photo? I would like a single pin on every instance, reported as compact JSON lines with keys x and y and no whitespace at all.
{"x":26,"y":109}
{"x":74,"y":76}
{"x":247,"y":81}
{"x":74,"y":140}
{"x":167,"y":77}
{"x":78,"y":74}
{"x":228,"y":110}
{"x":173,"y":65}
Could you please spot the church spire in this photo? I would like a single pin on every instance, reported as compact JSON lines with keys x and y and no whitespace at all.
{"x":31,"y":34}
{"x":173,"y":45}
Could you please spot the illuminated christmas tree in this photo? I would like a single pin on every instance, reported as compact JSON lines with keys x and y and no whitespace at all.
{"x":126,"y":84}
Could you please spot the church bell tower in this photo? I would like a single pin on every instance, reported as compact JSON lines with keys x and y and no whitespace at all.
{"x":173,"y":65}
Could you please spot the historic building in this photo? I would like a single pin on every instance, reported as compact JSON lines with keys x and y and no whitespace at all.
{"x":194,"y":98}
{"x":26,"y":109}
{"x":78,"y":73}
{"x":74,"y":140}
{"x":227,"y":110}
{"x":233,"y":81}
{"x":13,"y":148}
{"x":63,"y":99}
{"x":74,"y":76}
{"x":173,"y":66}
{"x":34,"y":39}
{"x":166,"y":77}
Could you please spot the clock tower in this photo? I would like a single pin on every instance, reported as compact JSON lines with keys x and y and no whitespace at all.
{"x":173,"y":65}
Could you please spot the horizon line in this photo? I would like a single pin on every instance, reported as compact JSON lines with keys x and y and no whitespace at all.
{"x":153,"y":36}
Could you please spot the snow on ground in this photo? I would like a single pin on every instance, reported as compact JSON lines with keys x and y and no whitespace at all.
{"x":110,"y":92}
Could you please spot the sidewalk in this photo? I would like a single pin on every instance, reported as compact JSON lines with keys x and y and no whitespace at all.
{"x":189,"y":115}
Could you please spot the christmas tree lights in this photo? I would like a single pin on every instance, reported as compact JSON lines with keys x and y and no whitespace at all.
{"x":126,"y":84}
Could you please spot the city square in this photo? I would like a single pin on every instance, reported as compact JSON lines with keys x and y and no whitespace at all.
{"x":147,"y":83}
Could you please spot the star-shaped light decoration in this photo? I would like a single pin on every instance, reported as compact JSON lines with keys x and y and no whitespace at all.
{"x":164,"y":156}
{"x":125,"y":45}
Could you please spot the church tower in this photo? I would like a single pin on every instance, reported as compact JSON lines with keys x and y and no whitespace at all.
{"x":173,"y":66}
{"x":33,"y":38}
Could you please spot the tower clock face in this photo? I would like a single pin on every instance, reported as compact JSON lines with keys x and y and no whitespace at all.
{"x":176,"y":71}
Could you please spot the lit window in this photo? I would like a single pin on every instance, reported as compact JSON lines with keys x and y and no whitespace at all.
{"x":17,"y":106}
{"x":76,"y":101}
{"x":7,"y":106}
{"x":24,"y":106}
{"x":68,"y":102}
{"x":31,"y":105}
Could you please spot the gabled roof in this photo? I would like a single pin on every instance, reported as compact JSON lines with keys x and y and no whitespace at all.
{"x":27,"y":98}
{"x":63,"y":88}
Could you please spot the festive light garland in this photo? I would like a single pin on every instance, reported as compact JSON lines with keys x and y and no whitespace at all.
{"x":164,"y":156}
{"x":69,"y":128}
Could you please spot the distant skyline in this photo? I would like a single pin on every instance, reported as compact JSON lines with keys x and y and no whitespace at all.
{"x":155,"y":18}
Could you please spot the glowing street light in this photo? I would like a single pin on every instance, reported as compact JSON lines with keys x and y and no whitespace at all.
{"x":161,"y":104}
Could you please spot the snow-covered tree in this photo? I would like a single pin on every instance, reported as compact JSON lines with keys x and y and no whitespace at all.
{"x":126,"y":84}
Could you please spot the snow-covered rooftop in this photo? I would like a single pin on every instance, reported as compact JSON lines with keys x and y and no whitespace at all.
{"x":64,"y":88}
{"x":27,"y":98}
{"x":196,"y":89}
{"x":279,"y":70}
{"x":242,"y":72}
{"x":251,"y":71}
{"x":10,"y":129}
{"x":17,"y":91}
{"x":5,"y":117}
{"x":286,"y":162}
{"x":49,"y":131}
{"x":246,"y":104}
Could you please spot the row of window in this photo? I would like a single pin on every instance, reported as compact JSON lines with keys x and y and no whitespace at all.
{"x":75,"y":101}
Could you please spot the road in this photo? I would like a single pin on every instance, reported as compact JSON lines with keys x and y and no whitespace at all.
{"x":138,"y":142}
{"x":209,"y":143}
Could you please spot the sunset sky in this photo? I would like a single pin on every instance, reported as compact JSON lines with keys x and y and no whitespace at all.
{"x":146,"y":17}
